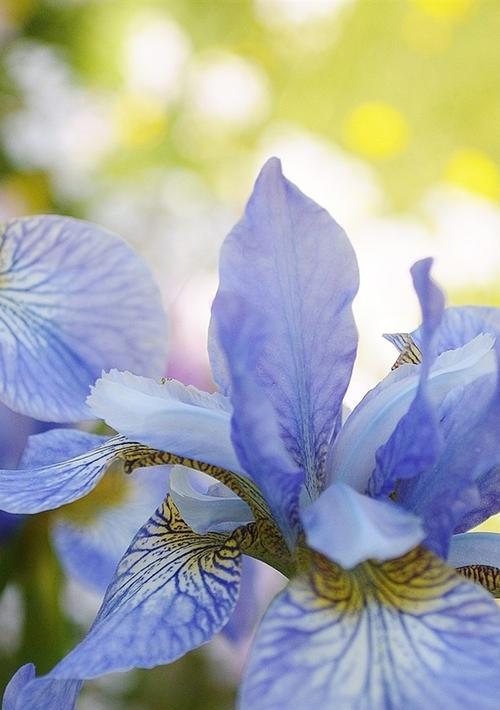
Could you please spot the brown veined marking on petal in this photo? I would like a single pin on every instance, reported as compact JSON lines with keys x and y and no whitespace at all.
{"x":139,"y":455}
{"x":176,"y":534}
{"x":410,"y":583}
{"x":261,"y":539}
{"x":410,"y":353}
{"x":485,"y":575}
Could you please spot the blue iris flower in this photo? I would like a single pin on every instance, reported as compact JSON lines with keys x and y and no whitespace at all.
{"x":361,"y":515}
{"x":74,"y":300}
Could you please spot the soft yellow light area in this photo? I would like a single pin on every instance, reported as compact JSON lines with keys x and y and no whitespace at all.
{"x":451,"y":10}
{"x":425,"y":34}
{"x":474,"y":171}
{"x":490,"y":525}
{"x":376,"y":130}
{"x":140,"y":120}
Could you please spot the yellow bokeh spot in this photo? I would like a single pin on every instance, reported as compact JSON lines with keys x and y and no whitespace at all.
{"x":451,"y":10}
{"x":376,"y":130}
{"x":140,"y":120}
{"x":474,"y":171}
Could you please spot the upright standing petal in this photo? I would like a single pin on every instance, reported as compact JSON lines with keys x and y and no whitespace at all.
{"x":255,"y":429}
{"x":294,"y":267}
{"x":371,"y":423}
{"x":448,"y":492}
{"x":414,"y":444}
{"x":74,"y":300}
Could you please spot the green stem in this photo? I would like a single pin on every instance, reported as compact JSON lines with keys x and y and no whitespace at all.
{"x":44,"y":635}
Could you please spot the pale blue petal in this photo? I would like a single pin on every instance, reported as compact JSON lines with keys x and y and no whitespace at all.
{"x":486,"y":444}
{"x":475,"y":549}
{"x":255,"y":429}
{"x":168,"y":416}
{"x":374,"y":419}
{"x":14,"y":431}
{"x":415,"y":442}
{"x":46,"y":694}
{"x":58,"y":445}
{"x":488,"y":502}
{"x":244,"y":618}
{"x":172,"y":591}
{"x":294,"y":268}
{"x":460,"y":324}
{"x":36,"y":487}
{"x":20,"y":678}
{"x":397,"y":636}
{"x":348,"y":527}
{"x":206,"y":507}
{"x":23,"y":694}
{"x":74,"y":300}
{"x":445,"y":493}
{"x":91,"y":551}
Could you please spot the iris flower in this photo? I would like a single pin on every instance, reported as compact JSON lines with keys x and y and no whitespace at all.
{"x":360,"y":515}
{"x":69,"y":291}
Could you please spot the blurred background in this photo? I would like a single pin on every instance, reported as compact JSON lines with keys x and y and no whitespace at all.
{"x":153,"y":117}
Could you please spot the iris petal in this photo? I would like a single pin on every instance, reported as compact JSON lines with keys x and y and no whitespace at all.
{"x":488,"y":502}
{"x":47,"y":694}
{"x":460,"y":324}
{"x":91,"y":549}
{"x":20,"y":678}
{"x":374,"y":419}
{"x":415,"y":442}
{"x":167,"y":416}
{"x":294,"y":268}
{"x":255,"y":429}
{"x":475,"y":549}
{"x":402,"y":634}
{"x":214,"y":509}
{"x":246,"y":612}
{"x":74,"y":300}
{"x":35,"y":487}
{"x":447,"y":491}
{"x":172,"y":591}
{"x":349,"y":527}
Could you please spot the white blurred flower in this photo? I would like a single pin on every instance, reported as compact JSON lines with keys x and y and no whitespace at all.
{"x":80,"y":602}
{"x":297,"y":12}
{"x":11,"y":618}
{"x":467,"y":229}
{"x":61,"y":127}
{"x":228,"y":89}
{"x":156,"y":53}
